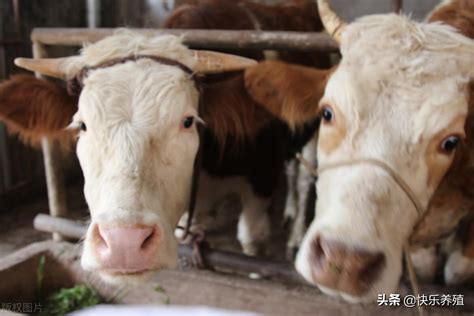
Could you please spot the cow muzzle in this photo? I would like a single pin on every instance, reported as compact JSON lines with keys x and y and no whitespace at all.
{"x":342,"y":268}
{"x":124,"y":249}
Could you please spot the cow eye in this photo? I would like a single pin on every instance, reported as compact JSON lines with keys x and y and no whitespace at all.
{"x":83,"y":127}
{"x":188,"y":122}
{"x":327,"y":114}
{"x":449,"y":144}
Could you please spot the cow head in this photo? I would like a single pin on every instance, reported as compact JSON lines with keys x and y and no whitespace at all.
{"x":400,"y":96}
{"x":394,"y":111}
{"x":137,"y":141}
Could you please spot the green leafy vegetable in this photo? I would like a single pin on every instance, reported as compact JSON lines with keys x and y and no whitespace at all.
{"x":68,"y":300}
{"x":40,"y":276}
{"x":165,"y":299}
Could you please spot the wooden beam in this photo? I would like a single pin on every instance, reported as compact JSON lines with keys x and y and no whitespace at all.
{"x":209,"y":39}
{"x":53,"y":162}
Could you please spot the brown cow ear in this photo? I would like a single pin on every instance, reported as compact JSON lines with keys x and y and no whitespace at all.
{"x":290,"y":92}
{"x":35,"y":108}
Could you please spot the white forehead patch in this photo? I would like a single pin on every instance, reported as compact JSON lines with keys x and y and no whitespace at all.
{"x":394,"y":45}
{"x":409,"y":74}
{"x":125,"y":43}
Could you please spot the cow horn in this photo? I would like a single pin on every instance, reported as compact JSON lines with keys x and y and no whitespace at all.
{"x":53,"y":67}
{"x":213,"y":62}
{"x":333,"y":24}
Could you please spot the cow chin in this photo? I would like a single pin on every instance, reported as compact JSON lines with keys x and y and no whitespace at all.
{"x":117,"y":278}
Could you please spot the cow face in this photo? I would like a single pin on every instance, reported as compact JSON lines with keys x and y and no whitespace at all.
{"x":136,"y":147}
{"x":137,"y":142}
{"x":399,"y":96}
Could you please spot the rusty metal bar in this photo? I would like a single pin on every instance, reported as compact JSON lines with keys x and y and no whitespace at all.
{"x":53,"y":162}
{"x":215,"y":39}
{"x":215,"y":259}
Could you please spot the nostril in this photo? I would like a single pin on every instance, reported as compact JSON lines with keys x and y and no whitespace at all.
{"x":372,"y":268}
{"x":319,"y":256}
{"x":148,"y":239}
{"x":99,"y":238}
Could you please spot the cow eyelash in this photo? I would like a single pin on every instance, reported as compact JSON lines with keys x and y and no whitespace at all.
{"x":77,"y":127}
{"x":190,"y":120}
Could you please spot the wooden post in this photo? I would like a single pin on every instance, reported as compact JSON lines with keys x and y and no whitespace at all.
{"x":53,"y":164}
{"x":397,"y":6}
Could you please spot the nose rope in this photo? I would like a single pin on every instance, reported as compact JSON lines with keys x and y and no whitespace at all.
{"x":400,"y":182}
{"x":370,"y":161}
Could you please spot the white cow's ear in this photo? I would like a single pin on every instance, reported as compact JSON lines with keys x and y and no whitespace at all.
{"x":62,"y":68}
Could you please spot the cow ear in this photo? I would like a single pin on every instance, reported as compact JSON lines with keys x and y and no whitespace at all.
{"x":35,"y":108}
{"x":290,"y":92}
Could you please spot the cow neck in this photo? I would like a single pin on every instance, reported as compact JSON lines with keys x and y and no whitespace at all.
{"x":75,"y":85}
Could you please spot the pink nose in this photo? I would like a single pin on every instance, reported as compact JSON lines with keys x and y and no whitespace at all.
{"x":126,"y":249}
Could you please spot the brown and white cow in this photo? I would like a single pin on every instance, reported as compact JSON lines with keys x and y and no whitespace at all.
{"x":395,"y":149}
{"x":137,"y":140}
{"x":294,"y":15}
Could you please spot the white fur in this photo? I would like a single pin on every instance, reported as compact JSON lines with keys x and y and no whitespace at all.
{"x":305,"y":182}
{"x":425,"y":263}
{"x":136,"y":158}
{"x":399,"y":83}
{"x":459,"y":269}
{"x":254,"y":225}
{"x":291,"y":201}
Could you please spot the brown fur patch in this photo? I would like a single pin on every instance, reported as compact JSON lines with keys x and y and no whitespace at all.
{"x":459,"y":14}
{"x":468,"y":240}
{"x":289,"y":92}
{"x":228,"y":110}
{"x":332,"y":134}
{"x":437,"y":166}
{"x":36,"y":108}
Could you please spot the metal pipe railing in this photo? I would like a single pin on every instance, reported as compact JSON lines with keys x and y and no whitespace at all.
{"x":208,"y":39}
